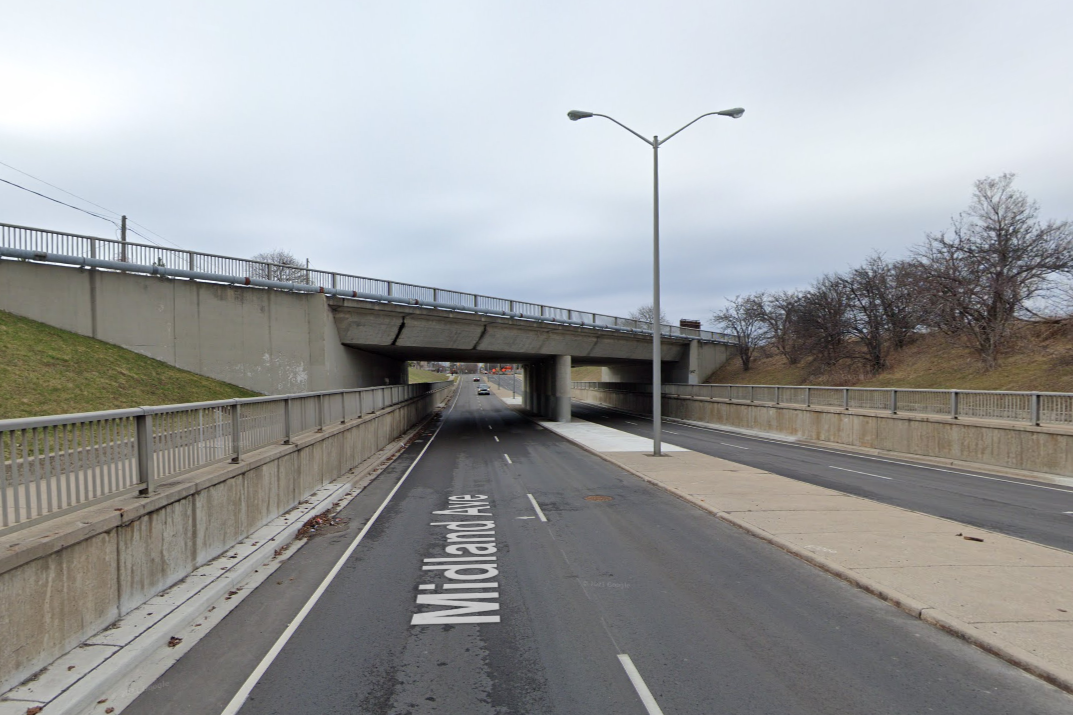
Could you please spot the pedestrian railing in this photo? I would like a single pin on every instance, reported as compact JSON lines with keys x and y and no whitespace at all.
{"x":51,"y":466}
{"x":1035,"y":408}
{"x":36,"y":244}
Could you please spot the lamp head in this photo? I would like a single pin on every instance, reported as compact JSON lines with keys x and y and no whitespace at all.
{"x":734,"y":113}
{"x":576,"y":114}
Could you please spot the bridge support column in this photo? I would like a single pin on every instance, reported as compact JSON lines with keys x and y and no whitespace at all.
{"x":560,"y":389}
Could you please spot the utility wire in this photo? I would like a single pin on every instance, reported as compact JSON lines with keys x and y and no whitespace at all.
{"x":104,"y":208}
{"x":62,"y":203}
{"x":91,"y":213}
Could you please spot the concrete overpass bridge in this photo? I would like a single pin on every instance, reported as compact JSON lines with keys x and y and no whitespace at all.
{"x":285,"y":329}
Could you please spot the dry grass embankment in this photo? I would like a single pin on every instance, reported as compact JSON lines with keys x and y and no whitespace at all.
{"x":48,"y":371}
{"x":1040,"y":359}
{"x":417,"y":375}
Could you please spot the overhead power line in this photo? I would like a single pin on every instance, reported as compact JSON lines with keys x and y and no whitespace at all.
{"x":62,"y":203}
{"x":85,"y":211}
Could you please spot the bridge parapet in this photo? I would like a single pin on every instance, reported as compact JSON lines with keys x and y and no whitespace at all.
{"x":42,"y":245}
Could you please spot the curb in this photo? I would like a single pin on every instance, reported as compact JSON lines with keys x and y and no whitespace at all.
{"x":923,"y":459}
{"x":997,"y":647}
{"x":80,"y":696}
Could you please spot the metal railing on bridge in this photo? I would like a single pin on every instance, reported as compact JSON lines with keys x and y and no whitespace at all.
{"x":54,"y":465}
{"x":1035,"y":408}
{"x":35,"y":244}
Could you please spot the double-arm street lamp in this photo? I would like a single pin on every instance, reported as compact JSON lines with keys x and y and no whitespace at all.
{"x":657,"y":326}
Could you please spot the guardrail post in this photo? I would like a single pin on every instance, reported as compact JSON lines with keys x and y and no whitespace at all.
{"x":287,"y":421}
{"x":894,"y":402}
{"x":808,"y":397}
{"x":342,"y":398}
{"x":954,"y":404}
{"x":752,"y":392}
{"x":143,"y":433}
{"x":389,"y":287}
{"x":335,"y":280}
{"x":190,"y":260}
{"x":1034,"y":412}
{"x":845,"y":398}
{"x":361,"y":403}
{"x":236,"y":432}
{"x":776,"y":394}
{"x":320,"y":413}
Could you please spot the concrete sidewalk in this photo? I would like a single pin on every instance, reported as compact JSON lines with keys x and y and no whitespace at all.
{"x":1010,"y":597}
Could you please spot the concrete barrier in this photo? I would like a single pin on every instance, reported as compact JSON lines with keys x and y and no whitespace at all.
{"x":1006,"y":446}
{"x":63,"y":580}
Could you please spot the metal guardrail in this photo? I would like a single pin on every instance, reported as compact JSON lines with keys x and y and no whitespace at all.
{"x":54,"y":465}
{"x":36,"y":244}
{"x":1034,"y":408}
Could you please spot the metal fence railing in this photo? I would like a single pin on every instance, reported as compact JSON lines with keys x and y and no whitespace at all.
{"x":1035,"y":408}
{"x":54,"y":465}
{"x":36,"y":244}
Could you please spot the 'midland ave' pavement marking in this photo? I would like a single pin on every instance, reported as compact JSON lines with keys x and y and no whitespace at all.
{"x":472,"y":571}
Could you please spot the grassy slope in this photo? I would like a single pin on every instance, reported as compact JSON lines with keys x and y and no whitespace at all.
{"x":588,"y":373}
{"x":426,"y":376}
{"x":1042,"y":359}
{"x":46,"y":371}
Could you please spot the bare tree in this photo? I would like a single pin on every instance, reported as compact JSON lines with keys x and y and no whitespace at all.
{"x":779,"y":313}
{"x":983,"y":273}
{"x":279,"y":265}
{"x":744,"y":316}
{"x":884,"y":307}
{"x":822,"y":320}
{"x":644,"y":315}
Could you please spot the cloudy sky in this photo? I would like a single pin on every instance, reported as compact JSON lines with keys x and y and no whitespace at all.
{"x":428,"y":142}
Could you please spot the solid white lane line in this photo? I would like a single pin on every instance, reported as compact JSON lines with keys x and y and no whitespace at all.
{"x":728,"y":444}
{"x":507,"y":456}
{"x":495,"y":438}
{"x":244,"y":692}
{"x":536,"y":507}
{"x":639,"y":685}
{"x":867,"y":474}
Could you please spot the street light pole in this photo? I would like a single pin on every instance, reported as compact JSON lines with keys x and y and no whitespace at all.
{"x":657,"y":324}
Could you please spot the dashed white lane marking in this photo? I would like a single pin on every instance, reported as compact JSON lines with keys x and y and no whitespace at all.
{"x":669,"y":431}
{"x":507,"y":457}
{"x":1067,"y":512}
{"x":495,"y":438}
{"x":630,"y":423}
{"x":728,"y":444}
{"x":867,"y":474}
{"x":247,"y":687}
{"x":536,"y":507}
{"x":785,"y":443}
{"x":526,"y":517}
{"x":639,"y":685}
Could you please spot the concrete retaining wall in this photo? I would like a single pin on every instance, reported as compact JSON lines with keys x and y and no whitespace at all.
{"x":1045,"y":450}
{"x":270,"y":341}
{"x":66,"y":579}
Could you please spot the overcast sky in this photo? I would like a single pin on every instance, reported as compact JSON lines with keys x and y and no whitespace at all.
{"x":428,"y":141}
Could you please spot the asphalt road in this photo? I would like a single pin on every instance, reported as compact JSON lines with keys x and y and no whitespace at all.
{"x":1024,"y":508}
{"x":710,"y":619}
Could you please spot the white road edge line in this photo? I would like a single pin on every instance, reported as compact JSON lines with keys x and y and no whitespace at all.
{"x":536,"y":507}
{"x":244,"y":692}
{"x":507,"y":457}
{"x":639,"y":685}
{"x":867,"y":474}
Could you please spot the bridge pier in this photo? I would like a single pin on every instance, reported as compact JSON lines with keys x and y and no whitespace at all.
{"x":546,"y":388}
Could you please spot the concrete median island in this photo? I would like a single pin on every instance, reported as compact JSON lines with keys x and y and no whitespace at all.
{"x":1009,"y":597}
